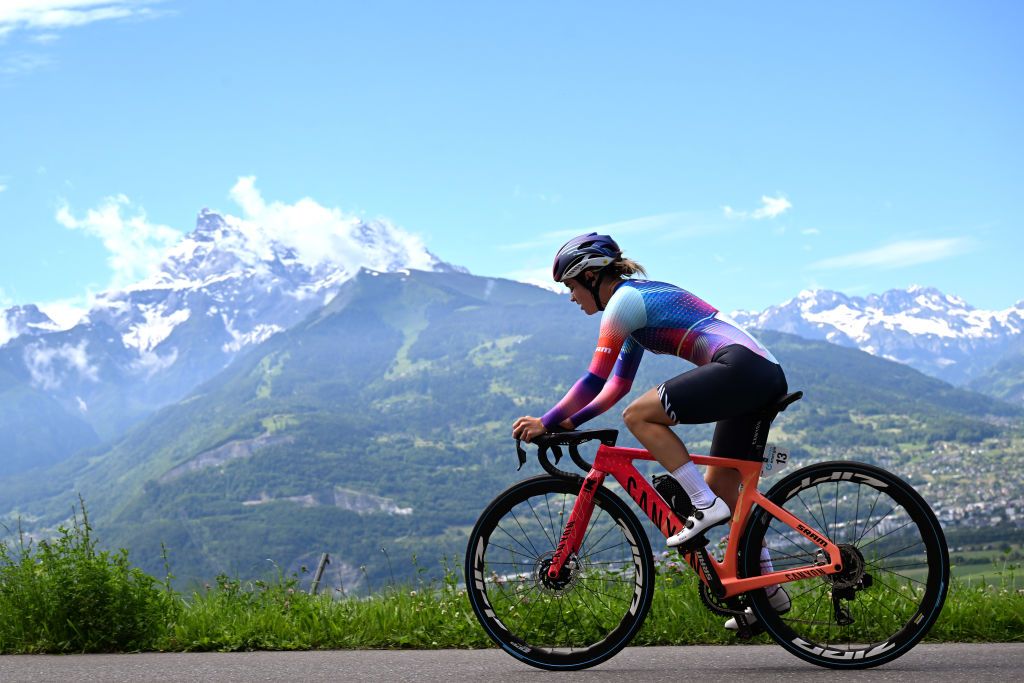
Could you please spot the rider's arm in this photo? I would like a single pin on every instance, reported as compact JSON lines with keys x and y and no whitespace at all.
{"x":615,"y":388}
{"x":581,"y":393}
{"x":625,"y":313}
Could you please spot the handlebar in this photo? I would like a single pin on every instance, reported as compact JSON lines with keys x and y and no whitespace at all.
{"x":553,"y":440}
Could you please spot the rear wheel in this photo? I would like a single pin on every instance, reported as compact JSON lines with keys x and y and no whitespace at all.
{"x":586,"y":614}
{"x":895,"y":565}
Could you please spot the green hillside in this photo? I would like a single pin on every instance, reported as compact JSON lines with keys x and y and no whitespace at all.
{"x":1005,"y":379}
{"x":383,"y":422}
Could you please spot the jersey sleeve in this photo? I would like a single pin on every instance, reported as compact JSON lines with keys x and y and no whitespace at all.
{"x":616,"y":387}
{"x":626,"y":313}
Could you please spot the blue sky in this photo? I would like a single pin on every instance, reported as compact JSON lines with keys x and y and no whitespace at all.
{"x":742,"y":150}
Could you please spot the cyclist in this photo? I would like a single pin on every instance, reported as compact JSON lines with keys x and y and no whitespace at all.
{"x":735,"y":376}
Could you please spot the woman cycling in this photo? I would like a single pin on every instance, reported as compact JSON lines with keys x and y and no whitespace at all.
{"x":735,"y":376}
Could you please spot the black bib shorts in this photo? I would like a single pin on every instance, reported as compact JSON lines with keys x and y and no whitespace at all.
{"x":729,"y":390}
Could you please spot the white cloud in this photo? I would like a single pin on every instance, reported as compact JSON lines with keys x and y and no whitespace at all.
{"x":150,"y":362}
{"x":898,"y":254}
{"x":3,"y":188}
{"x":49,"y":16}
{"x":668,"y":226}
{"x":136,"y":246}
{"x":810,"y":231}
{"x":45,"y":38}
{"x":47,"y":365}
{"x":16,"y":65}
{"x":771,"y":207}
{"x":321,"y":234}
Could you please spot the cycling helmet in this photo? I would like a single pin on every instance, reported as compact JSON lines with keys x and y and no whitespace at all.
{"x":584,"y":252}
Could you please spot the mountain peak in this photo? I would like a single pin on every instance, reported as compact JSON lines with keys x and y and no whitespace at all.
{"x":934,"y":332}
{"x":27,"y":319}
{"x":208,"y":223}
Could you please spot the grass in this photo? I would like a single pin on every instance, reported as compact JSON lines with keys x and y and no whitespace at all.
{"x":69,"y":596}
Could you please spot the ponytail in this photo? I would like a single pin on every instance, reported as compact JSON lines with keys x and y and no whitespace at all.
{"x":624,"y":267}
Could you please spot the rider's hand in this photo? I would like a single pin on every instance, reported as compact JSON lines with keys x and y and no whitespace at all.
{"x":528,"y":428}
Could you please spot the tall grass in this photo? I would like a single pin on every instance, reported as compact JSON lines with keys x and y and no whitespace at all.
{"x":67,"y":596}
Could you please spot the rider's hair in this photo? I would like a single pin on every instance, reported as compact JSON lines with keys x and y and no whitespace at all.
{"x":624,"y":267}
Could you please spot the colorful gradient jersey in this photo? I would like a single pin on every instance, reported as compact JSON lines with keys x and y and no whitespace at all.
{"x":656,"y":316}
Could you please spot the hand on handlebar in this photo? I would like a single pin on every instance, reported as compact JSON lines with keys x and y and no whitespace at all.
{"x":528,"y":428}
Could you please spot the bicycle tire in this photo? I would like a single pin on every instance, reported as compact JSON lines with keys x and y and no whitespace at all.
{"x":602,"y":598}
{"x":886,"y":532}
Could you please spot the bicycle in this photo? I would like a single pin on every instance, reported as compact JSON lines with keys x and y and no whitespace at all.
{"x":568,"y":592}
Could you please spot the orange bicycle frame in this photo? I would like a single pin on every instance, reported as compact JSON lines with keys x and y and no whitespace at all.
{"x":617,"y":461}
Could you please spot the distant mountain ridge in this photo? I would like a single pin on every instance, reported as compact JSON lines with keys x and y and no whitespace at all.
{"x":226,"y":286}
{"x":938,"y":334}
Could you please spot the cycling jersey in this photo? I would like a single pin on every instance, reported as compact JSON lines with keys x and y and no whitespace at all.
{"x":659,"y":317}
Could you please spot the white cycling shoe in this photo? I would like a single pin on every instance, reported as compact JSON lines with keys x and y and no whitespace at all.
{"x":779,"y":600}
{"x":700,"y":521}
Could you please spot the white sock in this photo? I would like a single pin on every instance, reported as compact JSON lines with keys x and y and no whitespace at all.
{"x":767,"y":568}
{"x":693,"y":483}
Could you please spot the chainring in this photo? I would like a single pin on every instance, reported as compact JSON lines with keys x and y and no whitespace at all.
{"x":717,"y":605}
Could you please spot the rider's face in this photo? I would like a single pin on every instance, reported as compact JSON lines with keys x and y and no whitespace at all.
{"x":580,"y":295}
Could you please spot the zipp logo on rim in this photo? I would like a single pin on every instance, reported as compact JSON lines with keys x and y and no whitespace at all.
{"x":638,"y":589}
{"x":843,"y":654}
{"x":478,"y":583}
{"x":837,"y":476}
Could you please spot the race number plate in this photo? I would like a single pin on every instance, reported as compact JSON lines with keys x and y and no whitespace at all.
{"x":773,"y":460}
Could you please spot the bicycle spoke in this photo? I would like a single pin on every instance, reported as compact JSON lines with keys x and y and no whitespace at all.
{"x":598,"y":541}
{"x":878,"y":494}
{"x":878,"y":538}
{"x":880,"y":520}
{"x":528,"y":551}
{"x":856,"y":516}
{"x":902,"y":576}
{"x":617,"y":545}
{"x":835,"y":518}
{"x":821,"y":506}
{"x":817,"y":522}
{"x":541,"y":524}
{"x":513,"y":513}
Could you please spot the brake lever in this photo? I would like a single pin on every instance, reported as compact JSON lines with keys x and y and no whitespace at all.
{"x":522,"y":455}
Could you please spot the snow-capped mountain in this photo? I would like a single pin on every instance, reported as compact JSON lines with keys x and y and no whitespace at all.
{"x":939,"y":334}
{"x":20,"y":320}
{"x":250,"y":282}
{"x":225,"y":286}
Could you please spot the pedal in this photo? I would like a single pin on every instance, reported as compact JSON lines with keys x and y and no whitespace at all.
{"x":748,"y":631}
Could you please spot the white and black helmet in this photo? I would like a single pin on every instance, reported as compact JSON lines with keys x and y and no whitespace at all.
{"x":584,"y":252}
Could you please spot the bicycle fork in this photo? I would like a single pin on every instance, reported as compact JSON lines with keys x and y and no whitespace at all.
{"x":579,"y":519}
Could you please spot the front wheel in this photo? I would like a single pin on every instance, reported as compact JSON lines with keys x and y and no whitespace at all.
{"x":586,"y":614}
{"x":895,"y":565}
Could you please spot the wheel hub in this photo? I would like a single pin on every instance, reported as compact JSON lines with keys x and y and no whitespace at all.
{"x":566,"y":578}
{"x":853,"y":568}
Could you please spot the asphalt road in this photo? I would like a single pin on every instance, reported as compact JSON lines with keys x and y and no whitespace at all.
{"x":934,"y":663}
